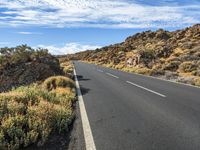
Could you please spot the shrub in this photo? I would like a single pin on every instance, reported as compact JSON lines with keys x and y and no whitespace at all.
{"x":67,"y":69}
{"x":144,"y":71}
{"x":147,"y":54}
{"x":172,"y":66}
{"x":28,"y":115}
{"x":110,"y":65}
{"x":119,"y":66}
{"x":58,"y":81}
{"x":196,"y":72}
{"x":20,"y":54}
{"x":187,"y":67}
{"x":197,"y":81}
{"x":129,"y":69}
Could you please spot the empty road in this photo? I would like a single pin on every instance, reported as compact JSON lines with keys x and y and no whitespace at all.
{"x":132,"y":112}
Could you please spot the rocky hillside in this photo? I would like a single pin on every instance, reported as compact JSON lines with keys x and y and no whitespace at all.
{"x":23,"y":65}
{"x":170,"y":55}
{"x":37,"y":99}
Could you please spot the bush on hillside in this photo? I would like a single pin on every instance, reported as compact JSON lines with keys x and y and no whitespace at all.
{"x":67,"y":68}
{"x":144,"y":71}
{"x":196,"y":72}
{"x":20,"y":54}
{"x":147,"y":54}
{"x":58,"y":81}
{"x":197,"y":81}
{"x":172,"y":66}
{"x":187,"y":67}
{"x":28,"y":115}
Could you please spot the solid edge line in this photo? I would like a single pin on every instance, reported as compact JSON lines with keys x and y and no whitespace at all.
{"x":112,"y":75}
{"x":145,"y":89}
{"x":89,"y":141}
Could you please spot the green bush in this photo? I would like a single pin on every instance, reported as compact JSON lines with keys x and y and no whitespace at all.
{"x":28,"y":115}
{"x":20,"y":54}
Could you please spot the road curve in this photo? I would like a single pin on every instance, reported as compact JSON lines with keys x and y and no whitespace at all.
{"x":132,"y":112}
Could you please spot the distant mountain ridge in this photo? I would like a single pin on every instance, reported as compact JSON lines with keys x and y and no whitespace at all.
{"x":170,"y":55}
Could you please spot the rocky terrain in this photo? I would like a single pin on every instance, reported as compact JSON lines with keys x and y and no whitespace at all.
{"x":169,"y":55}
{"x":22,"y":66}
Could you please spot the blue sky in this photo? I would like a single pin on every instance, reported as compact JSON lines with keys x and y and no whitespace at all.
{"x":68,"y":26}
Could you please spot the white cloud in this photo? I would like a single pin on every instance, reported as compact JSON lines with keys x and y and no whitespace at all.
{"x":4,"y":43}
{"x":68,"y":48}
{"x":96,"y":13}
{"x":29,"y":33}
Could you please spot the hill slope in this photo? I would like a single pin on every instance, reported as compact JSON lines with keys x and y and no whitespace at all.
{"x":170,"y":55}
{"x":23,"y":65}
{"x":36,"y":100}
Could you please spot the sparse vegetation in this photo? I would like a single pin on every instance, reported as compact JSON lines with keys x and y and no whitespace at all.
{"x":67,"y":67}
{"x":23,"y":65}
{"x":143,"y":71}
{"x":58,"y":81}
{"x":35,"y":106}
{"x":160,"y":53}
{"x":197,"y":81}
{"x":186,"y":67}
{"x":28,"y":115}
{"x":20,"y":54}
{"x":172,"y":66}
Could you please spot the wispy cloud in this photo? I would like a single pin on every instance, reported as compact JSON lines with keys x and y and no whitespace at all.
{"x":97,"y":13}
{"x":29,"y":33}
{"x":4,"y":43}
{"x":68,"y":48}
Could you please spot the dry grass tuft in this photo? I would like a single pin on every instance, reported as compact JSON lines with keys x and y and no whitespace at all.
{"x":58,"y":81}
{"x":197,"y":81}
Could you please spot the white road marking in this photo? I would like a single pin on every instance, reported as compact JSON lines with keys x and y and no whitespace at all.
{"x":112,"y":75}
{"x":89,"y":141}
{"x":100,"y":70}
{"x":145,"y":89}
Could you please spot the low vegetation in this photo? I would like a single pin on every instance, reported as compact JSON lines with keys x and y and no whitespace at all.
{"x":197,"y":81}
{"x":29,"y":114}
{"x":188,"y":66}
{"x":36,"y":98}
{"x":169,"y":55}
{"x":67,"y":67}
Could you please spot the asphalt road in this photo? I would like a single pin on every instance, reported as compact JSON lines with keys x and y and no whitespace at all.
{"x":132,"y":112}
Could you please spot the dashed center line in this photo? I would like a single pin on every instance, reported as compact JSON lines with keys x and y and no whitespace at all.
{"x":112,"y":75}
{"x":100,"y":70}
{"x":145,"y":89}
{"x":139,"y":86}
